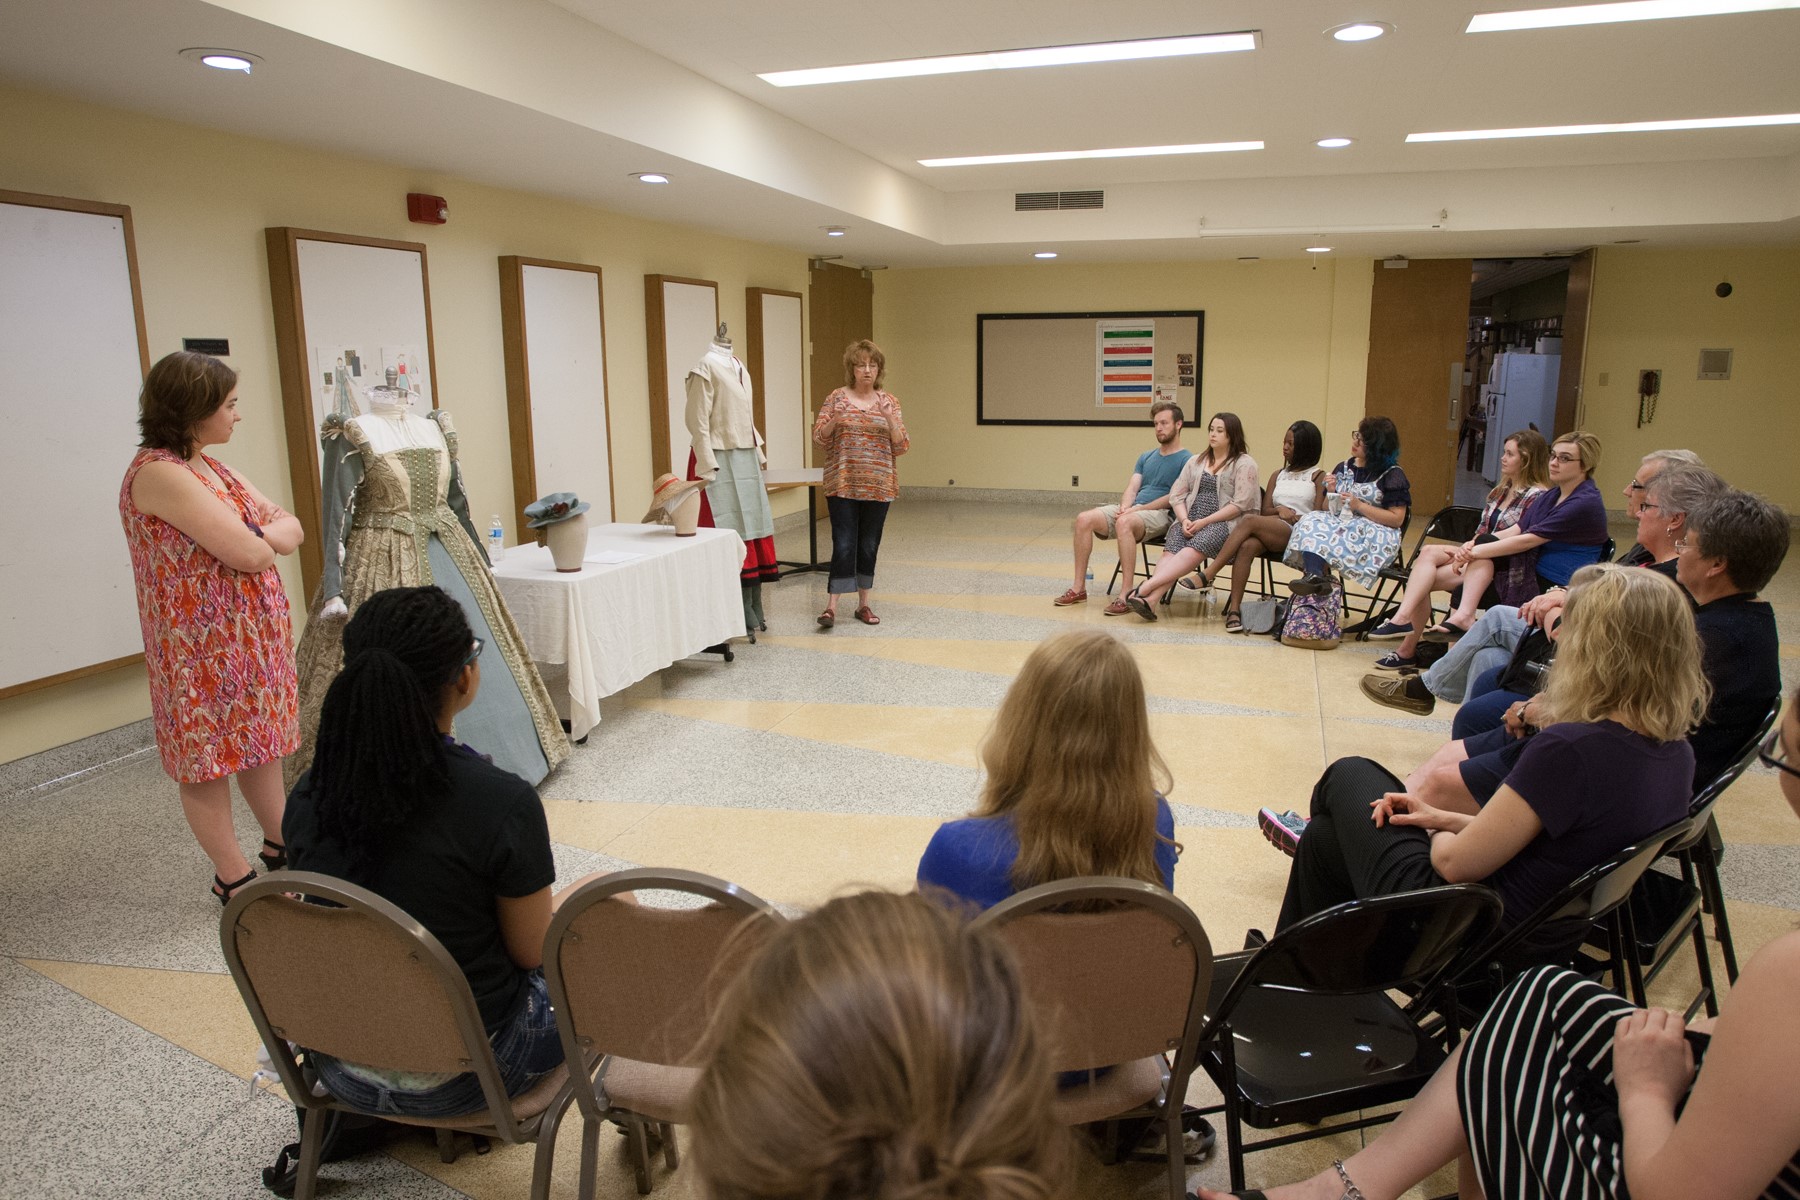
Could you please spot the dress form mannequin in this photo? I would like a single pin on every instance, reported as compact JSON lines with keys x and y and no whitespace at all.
{"x":395,"y":514}
{"x":727,"y":453}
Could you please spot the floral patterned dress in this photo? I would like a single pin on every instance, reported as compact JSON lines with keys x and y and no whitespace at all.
{"x":218,"y":642}
{"x":1358,"y":547}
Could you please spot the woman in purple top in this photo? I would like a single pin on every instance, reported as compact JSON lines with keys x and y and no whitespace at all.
{"x":1562,"y":530}
{"x":1611,"y":765}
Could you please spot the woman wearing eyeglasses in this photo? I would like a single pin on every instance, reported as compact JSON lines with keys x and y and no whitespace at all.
{"x":1565,"y":1089}
{"x":394,"y":803}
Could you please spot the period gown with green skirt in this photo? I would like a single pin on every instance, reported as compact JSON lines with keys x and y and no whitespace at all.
{"x":401,"y":519}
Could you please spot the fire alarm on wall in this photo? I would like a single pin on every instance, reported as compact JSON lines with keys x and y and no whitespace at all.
{"x":426,"y":210}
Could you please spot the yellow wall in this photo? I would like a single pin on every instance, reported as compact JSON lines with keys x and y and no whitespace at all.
{"x":200,"y":201}
{"x":1656,"y":309}
{"x":1283,"y":341}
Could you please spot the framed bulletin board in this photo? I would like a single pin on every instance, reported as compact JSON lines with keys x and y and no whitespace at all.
{"x":339,"y":298}
{"x":553,"y":331}
{"x":72,"y":325}
{"x":776,"y":345}
{"x":1089,"y":368}
{"x":680,"y":318}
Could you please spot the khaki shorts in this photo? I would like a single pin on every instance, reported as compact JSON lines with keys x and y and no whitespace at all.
{"x":1156,"y":522}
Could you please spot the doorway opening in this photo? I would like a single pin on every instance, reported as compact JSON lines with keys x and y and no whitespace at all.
{"x":1512,"y":362}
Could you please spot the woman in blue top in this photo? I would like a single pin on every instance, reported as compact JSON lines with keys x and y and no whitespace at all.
{"x":1074,"y":784}
{"x":1360,"y":533}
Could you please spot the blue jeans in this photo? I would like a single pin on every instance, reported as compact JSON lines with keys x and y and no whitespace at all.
{"x":526,"y":1046}
{"x":1485,"y":708}
{"x":1488,"y":645}
{"x":855,"y":540}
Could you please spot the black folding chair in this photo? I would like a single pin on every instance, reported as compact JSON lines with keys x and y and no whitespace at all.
{"x":1665,"y":909}
{"x":1303,"y":1029}
{"x":1555,"y":933}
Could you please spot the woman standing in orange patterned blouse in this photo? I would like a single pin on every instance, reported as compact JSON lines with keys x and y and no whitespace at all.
{"x":860,"y":430}
{"x":217,"y":640}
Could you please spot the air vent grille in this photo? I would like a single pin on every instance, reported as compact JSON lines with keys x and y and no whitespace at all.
{"x":1715,"y":364}
{"x":1052,"y":201}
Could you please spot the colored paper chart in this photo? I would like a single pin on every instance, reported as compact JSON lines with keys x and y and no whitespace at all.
{"x":1126,"y":351}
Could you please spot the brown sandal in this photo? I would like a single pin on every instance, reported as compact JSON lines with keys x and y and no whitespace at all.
{"x":827,"y":619}
{"x":867,"y":616}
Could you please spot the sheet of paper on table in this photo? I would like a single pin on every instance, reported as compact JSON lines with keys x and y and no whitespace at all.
{"x":607,"y":557}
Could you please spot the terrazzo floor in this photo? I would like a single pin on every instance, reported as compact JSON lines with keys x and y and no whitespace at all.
{"x":815,"y":763}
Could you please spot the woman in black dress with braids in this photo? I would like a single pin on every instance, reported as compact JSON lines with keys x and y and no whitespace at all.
{"x":395,"y":804}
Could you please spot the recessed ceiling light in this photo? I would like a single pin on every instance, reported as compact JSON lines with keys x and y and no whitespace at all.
{"x":1472,"y":135}
{"x":835,"y":231}
{"x":1606,"y":14}
{"x":1045,"y":254}
{"x":1318,"y":249}
{"x":1116,"y":152}
{"x":1249,"y":258}
{"x":1360,"y":31}
{"x":649,"y":177}
{"x":1628,"y":241}
{"x":221,"y":59}
{"x":1006,"y":60}
{"x":1336,"y":143}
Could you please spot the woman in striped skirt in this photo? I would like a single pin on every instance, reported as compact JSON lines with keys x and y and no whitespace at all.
{"x":1566,"y":1090}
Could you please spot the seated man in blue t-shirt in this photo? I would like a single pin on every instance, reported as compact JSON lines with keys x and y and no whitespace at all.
{"x":1142,"y":512}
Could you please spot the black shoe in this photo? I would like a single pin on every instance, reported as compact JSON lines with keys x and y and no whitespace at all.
{"x":1255,"y":939}
{"x":1310,"y":584}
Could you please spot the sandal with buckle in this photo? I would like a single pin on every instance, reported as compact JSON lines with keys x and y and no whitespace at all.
{"x":1234,"y":621}
{"x":223,"y":890}
{"x":867,"y":616}
{"x":273,"y":855}
{"x":1196,"y":582}
{"x":827,"y":619}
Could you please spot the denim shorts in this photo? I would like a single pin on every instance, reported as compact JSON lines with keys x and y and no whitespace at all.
{"x":526,"y":1046}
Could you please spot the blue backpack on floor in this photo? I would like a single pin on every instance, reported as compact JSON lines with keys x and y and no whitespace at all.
{"x":1312,"y":621}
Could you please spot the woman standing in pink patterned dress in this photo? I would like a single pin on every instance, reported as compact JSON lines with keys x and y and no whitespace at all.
{"x":217,"y":640}
{"x":860,"y":429}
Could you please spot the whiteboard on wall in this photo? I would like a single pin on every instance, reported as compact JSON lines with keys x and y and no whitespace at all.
{"x":71,"y":325}
{"x":1086,"y":368}
{"x":777,"y":361}
{"x":681,"y":316}
{"x":338,"y":296}
{"x":553,"y":330}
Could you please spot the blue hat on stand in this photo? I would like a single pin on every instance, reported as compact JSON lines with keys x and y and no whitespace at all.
{"x":557,"y":506}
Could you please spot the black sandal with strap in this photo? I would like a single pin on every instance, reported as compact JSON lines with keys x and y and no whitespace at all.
{"x":223,"y":890}
{"x":274,"y":857}
{"x":1234,"y":621}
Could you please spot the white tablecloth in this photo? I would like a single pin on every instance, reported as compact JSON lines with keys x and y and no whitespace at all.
{"x":613,"y":624}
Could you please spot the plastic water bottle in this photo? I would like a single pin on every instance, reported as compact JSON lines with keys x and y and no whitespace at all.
{"x":496,"y":540}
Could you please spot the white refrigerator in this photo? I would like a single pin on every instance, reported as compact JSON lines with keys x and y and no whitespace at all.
{"x":1520,"y":394}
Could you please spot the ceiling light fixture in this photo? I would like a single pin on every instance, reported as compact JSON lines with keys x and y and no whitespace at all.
{"x":1360,"y":31}
{"x":1607,"y":14}
{"x":1007,"y":60}
{"x":835,"y":231}
{"x":1333,"y":143}
{"x":221,"y":59}
{"x":1318,"y":249}
{"x":1045,"y":254}
{"x":649,"y":177}
{"x":1474,"y":135}
{"x":974,"y":160}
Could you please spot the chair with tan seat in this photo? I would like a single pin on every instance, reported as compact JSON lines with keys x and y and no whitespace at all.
{"x":361,"y":981}
{"x":1119,"y":972}
{"x":633,"y":988}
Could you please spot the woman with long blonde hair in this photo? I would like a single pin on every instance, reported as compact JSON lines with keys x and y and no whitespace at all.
{"x":1074,"y":784}
{"x":878,"y":1048}
{"x":1610,"y":765}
